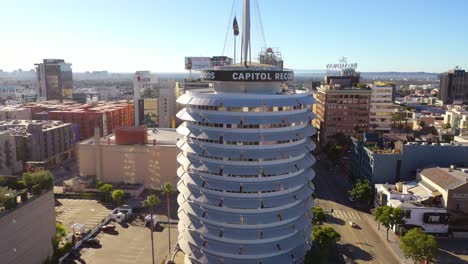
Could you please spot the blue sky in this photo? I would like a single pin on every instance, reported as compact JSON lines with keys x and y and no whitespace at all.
{"x":156,"y":35}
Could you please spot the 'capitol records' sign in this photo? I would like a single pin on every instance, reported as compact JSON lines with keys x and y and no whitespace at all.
{"x":247,"y":76}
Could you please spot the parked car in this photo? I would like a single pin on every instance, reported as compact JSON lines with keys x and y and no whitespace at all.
{"x":92,"y":242}
{"x":352,"y":224}
{"x":108,"y":228}
{"x":148,"y":219}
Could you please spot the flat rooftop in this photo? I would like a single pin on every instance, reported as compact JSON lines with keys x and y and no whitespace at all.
{"x":19,"y":127}
{"x":162,"y":136}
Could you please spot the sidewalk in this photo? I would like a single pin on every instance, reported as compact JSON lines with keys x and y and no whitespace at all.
{"x":393,"y":241}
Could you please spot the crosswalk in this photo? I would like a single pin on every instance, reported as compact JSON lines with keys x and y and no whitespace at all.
{"x":347,"y":215}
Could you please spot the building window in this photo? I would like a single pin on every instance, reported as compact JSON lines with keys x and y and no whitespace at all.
{"x":407,"y":214}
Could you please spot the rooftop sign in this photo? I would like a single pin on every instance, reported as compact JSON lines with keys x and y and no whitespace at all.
{"x":342,"y":65}
{"x":247,"y":76}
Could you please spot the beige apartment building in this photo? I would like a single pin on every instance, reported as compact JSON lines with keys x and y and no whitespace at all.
{"x":27,"y":230}
{"x":381,"y":107}
{"x":151,"y":162}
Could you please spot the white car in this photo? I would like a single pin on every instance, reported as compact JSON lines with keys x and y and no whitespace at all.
{"x":352,"y":224}
{"x":148,"y":219}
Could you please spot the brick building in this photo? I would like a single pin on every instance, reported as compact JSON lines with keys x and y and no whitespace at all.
{"x":341,"y":110}
{"x":105,"y":115}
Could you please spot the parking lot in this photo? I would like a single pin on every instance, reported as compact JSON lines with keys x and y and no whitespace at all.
{"x":88,"y":212}
{"x":129,"y":244}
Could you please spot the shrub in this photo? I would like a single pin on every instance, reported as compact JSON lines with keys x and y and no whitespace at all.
{"x":36,"y":189}
{"x":24,"y":195}
{"x":99,"y":184}
{"x":44,"y":178}
{"x":10,"y":203}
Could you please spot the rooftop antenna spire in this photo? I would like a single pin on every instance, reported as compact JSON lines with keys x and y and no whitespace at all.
{"x":246,"y":31}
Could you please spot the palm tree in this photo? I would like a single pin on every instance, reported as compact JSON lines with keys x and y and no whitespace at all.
{"x":151,"y":202}
{"x":167,"y":190}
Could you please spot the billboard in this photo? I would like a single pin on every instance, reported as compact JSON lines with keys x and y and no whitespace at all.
{"x":197,"y":63}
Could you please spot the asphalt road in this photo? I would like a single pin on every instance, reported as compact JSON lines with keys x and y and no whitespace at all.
{"x":361,"y":244}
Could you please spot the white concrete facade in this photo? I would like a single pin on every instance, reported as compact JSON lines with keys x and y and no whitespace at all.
{"x":457,"y":117}
{"x":245,"y":175}
{"x":411,"y":199}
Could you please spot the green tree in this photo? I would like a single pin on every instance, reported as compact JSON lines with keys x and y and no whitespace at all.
{"x":362,"y":191}
{"x":419,"y":246}
{"x":168,"y":190}
{"x":447,"y":126}
{"x":106,"y":190}
{"x":318,"y":215}
{"x":151,"y":202}
{"x":333,"y":151}
{"x":118,"y":197}
{"x":389,"y":216}
{"x":325,"y":238}
{"x":422,"y":124}
{"x":377,"y":214}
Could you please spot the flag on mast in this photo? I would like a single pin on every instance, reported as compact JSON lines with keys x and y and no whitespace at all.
{"x":235,"y":27}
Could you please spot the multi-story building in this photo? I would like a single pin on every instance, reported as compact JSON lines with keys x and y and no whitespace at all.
{"x":55,"y":79}
{"x":450,"y":184}
{"x":133,"y":155}
{"x":45,"y":142}
{"x":104,"y":115}
{"x":167,"y":107}
{"x":27,"y":230}
{"x":85,"y":96}
{"x":7,"y":92}
{"x":381,"y":107}
{"x":423,"y":207}
{"x":399,"y":160}
{"x":245,"y":175}
{"x":9,"y":163}
{"x":143,"y":83}
{"x":453,"y":87}
{"x":457,"y":117}
{"x":341,"y":108}
{"x":14,"y":112}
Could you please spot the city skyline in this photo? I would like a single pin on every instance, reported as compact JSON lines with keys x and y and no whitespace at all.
{"x":396,"y":36}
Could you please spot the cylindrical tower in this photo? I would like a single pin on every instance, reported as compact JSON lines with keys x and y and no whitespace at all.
{"x":245,"y":176}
